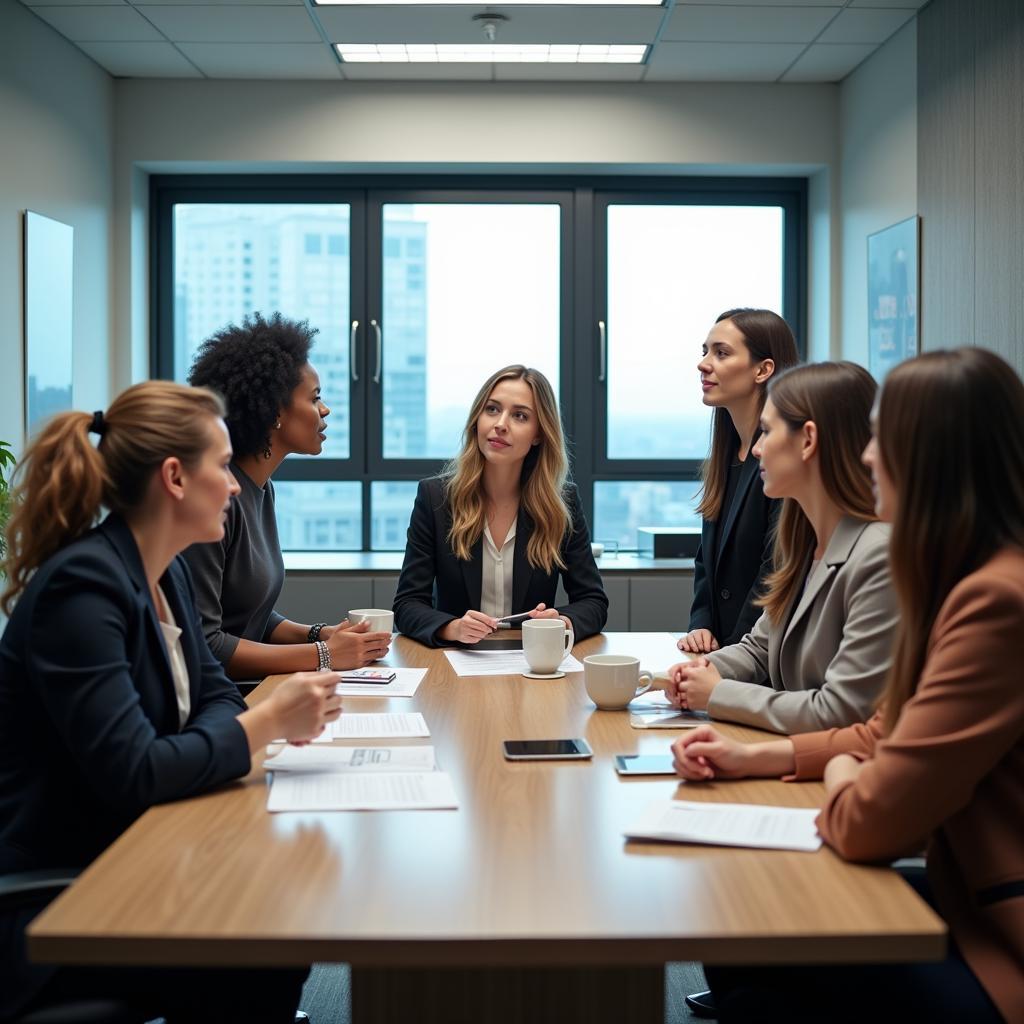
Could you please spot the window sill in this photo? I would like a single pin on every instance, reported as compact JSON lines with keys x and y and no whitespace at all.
{"x":389,"y":562}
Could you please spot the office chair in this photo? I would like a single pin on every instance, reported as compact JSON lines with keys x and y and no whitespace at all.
{"x":37,"y":888}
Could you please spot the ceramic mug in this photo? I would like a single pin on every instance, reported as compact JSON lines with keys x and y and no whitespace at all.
{"x":613,"y":680}
{"x":545,"y":644}
{"x":381,"y":620}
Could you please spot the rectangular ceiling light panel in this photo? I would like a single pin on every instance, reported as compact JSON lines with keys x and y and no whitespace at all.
{"x":476,"y":3}
{"x":490,"y":53}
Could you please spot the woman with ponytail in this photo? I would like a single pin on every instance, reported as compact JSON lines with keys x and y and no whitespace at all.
{"x":818,"y":655}
{"x":490,"y":537}
{"x":110,"y":700}
{"x":942,"y":759}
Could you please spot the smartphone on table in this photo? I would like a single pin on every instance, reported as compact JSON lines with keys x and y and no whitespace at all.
{"x":644,"y":764}
{"x":547,"y":750}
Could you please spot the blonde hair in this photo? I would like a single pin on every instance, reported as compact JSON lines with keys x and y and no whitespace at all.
{"x":838,"y":398}
{"x":63,"y":481}
{"x":543,"y":482}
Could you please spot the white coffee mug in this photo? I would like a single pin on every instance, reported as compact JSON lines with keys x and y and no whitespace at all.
{"x":381,"y":620}
{"x":613,"y":680}
{"x":545,"y":644}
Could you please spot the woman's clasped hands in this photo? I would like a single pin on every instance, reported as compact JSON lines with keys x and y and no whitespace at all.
{"x":690,"y":684}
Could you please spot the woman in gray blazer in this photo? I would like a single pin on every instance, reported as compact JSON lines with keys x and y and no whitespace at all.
{"x":818,"y":655}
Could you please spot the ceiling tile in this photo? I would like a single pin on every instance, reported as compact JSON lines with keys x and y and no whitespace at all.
{"x":865,"y":26}
{"x":720,"y":62}
{"x":837,"y":4}
{"x":217,"y":23}
{"x":75,"y":3}
{"x":80,"y":24}
{"x":262,"y":60}
{"x":729,"y":24}
{"x":417,"y":72}
{"x":455,"y":25}
{"x":910,"y":4}
{"x":568,"y":72}
{"x":140,"y":60}
{"x":829,"y":62}
{"x":229,"y":3}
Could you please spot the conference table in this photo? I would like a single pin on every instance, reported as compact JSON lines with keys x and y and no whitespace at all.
{"x":525,"y":904}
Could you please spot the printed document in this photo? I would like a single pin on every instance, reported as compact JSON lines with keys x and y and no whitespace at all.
{"x":768,"y":828}
{"x":323,"y":758}
{"x":374,"y":727}
{"x":499,"y":663}
{"x":361,"y":791}
{"x":404,"y":684}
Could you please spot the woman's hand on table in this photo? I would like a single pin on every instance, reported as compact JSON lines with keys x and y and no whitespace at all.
{"x":691,"y":683}
{"x":702,"y":754}
{"x":354,"y":646}
{"x":473,"y":627}
{"x":303,"y":704}
{"x":698,"y":641}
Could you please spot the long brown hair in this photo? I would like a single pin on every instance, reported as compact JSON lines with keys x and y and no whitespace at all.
{"x":543,"y":482}
{"x":837,"y":397}
{"x":951,"y":438}
{"x":767,"y":336}
{"x":63,"y":481}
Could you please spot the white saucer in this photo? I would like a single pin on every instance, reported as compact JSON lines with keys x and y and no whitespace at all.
{"x":543,"y":675}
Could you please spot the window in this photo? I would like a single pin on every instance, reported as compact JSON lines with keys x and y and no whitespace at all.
{"x":419,"y":293}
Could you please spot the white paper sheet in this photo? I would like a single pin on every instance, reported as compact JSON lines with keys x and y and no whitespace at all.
{"x":319,"y":757}
{"x":404,"y":684}
{"x":753,"y":825}
{"x":361,"y":791}
{"x":379,"y":727}
{"x":499,"y":663}
{"x":667,"y":718}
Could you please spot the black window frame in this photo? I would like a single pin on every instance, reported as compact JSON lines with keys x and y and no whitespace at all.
{"x":583,"y":292}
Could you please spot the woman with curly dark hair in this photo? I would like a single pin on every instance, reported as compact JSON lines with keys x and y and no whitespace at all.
{"x":272,"y":392}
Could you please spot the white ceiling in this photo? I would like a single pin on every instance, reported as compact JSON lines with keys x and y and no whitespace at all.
{"x":691,"y":40}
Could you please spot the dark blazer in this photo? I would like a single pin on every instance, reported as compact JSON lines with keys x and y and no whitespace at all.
{"x":435,"y":587}
{"x":89,"y":734}
{"x":724,"y":588}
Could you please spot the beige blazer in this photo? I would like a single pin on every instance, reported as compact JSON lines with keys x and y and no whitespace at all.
{"x":952,"y":770}
{"x":826,"y":664}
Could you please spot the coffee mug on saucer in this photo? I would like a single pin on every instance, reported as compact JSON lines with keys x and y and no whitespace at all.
{"x":613,"y":680}
{"x":545,"y":644}
{"x":381,"y":620}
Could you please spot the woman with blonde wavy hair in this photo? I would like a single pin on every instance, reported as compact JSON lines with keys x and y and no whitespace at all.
{"x":818,"y":655}
{"x":489,"y":538}
{"x":110,"y":700}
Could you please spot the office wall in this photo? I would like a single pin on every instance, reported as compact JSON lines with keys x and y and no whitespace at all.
{"x":877,"y":170}
{"x":971,"y":174}
{"x":56,"y":158}
{"x":528,"y":127}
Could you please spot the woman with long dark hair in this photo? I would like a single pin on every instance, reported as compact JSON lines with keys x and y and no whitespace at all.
{"x":110,"y":700}
{"x":818,"y":655}
{"x":742,"y":353}
{"x":943,"y":756}
{"x":492,"y":534}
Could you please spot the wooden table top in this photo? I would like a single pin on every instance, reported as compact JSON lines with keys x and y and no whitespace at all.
{"x":531,"y":869}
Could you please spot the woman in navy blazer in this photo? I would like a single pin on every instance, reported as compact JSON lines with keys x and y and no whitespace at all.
{"x":743,"y":351}
{"x":110,"y":700}
{"x":506,"y":494}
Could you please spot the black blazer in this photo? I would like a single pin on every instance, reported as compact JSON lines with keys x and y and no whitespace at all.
{"x":724,"y":588}
{"x":435,"y":587}
{"x":89,"y":733}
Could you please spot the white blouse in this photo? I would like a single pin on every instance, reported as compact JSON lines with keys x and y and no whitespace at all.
{"x":179,"y":671}
{"x":496,"y":592}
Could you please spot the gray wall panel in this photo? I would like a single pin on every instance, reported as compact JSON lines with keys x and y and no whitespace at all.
{"x":659,"y":602}
{"x":324,"y":598}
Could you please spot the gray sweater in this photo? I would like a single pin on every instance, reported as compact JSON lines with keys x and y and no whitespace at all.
{"x":238,"y":579}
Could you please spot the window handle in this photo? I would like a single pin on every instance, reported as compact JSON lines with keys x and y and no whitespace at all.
{"x":602,"y":358}
{"x":380,"y":350}
{"x":353,"y":331}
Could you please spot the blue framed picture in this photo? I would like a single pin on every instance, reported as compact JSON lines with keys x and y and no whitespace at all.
{"x":893,"y":275}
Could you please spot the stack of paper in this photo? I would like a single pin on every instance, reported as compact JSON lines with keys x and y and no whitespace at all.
{"x":321,"y":758}
{"x":499,"y":663}
{"x":768,"y":828}
{"x":361,"y":791}
{"x":405,"y":683}
{"x":366,"y":727}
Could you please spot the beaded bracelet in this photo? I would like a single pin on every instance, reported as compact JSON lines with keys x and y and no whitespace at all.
{"x":323,"y":653}
{"x":314,"y":632}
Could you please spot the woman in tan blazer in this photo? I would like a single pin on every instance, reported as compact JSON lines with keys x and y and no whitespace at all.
{"x":818,"y":655}
{"x":943,"y":758}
